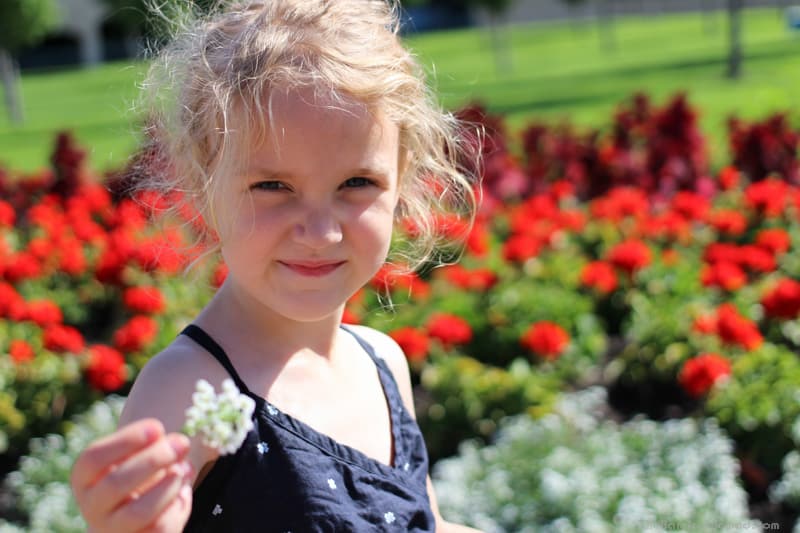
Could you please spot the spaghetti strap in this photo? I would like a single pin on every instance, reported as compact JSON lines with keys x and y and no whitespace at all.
{"x":198,"y":335}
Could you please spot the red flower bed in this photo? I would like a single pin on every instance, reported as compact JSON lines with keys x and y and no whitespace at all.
{"x":603,"y":255}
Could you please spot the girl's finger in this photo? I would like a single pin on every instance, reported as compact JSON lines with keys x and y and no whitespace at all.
{"x":105,"y":452}
{"x":148,"y":506}
{"x":175,"y":515}
{"x":137,"y":473}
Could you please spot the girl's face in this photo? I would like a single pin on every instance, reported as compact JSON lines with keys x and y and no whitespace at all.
{"x":310,"y":221}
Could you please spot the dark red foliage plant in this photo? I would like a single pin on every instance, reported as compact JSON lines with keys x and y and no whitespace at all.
{"x":761,"y":149}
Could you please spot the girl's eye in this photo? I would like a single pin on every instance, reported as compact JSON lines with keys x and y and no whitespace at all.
{"x":358,"y":182}
{"x":268,"y":186}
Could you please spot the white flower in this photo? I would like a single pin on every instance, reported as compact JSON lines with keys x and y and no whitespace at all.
{"x":222,"y":421}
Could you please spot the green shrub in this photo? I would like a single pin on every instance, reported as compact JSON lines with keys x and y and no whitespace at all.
{"x":466,"y":399}
{"x":760,"y":402}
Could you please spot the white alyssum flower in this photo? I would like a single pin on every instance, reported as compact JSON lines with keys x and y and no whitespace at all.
{"x":40,"y":487}
{"x":566,"y":473}
{"x":222,"y":420}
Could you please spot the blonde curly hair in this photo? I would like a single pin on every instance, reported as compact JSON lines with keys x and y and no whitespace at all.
{"x":210,"y":87}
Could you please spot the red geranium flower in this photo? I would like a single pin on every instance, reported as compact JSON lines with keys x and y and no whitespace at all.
{"x":85,"y":229}
{"x":783,"y":301}
{"x":630,"y":256}
{"x":728,"y":221}
{"x":723,"y":274}
{"x":145,"y":300}
{"x":161,"y":253}
{"x":481,"y":279}
{"x":478,"y":240}
{"x":734,"y":328}
{"x":767,"y":196}
{"x":71,"y":258}
{"x":520,"y":248}
{"x":21,"y":266}
{"x":96,"y":197}
{"x":728,"y":178}
{"x":562,"y":189}
{"x":20,"y":351}
{"x":44,"y":313}
{"x":135,"y":334}
{"x":414,"y":343}
{"x":449,"y":329}
{"x":700,"y":373}
{"x":774,"y":240}
{"x":128,"y":214}
{"x":110,"y":266}
{"x":757,"y":259}
{"x":7,"y":214}
{"x":668,"y":225}
{"x":722,"y":252}
{"x":571,"y":220}
{"x":12,"y":305}
{"x":621,"y":202}
{"x":546,"y":339}
{"x":600,"y":276}
{"x":690,"y":205}
{"x":106,"y":370}
{"x":395,"y":277}
{"x":40,"y":248}
{"x":46,"y":215}
{"x":59,"y":338}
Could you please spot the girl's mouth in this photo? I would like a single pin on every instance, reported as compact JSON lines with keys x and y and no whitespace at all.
{"x":312,"y":269}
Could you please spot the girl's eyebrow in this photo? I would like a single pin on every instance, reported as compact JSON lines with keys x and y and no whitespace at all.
{"x":266,"y":173}
{"x":367,"y":171}
{"x":269,"y":174}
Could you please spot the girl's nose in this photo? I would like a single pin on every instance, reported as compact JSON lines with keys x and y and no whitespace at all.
{"x":318,"y":229}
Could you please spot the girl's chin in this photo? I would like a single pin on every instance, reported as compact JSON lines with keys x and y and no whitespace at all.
{"x":313,"y":312}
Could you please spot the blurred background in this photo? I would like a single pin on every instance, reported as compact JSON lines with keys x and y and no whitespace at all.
{"x":617,"y":347}
{"x":528,"y":59}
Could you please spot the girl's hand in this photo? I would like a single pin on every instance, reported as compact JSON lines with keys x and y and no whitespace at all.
{"x":136,"y":479}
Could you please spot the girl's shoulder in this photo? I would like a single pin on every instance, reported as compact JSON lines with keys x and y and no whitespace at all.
{"x":387,"y":349}
{"x":163,"y":389}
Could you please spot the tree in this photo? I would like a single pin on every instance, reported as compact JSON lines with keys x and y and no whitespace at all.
{"x":734,"y":38}
{"x":136,"y":17}
{"x":500,"y":44}
{"x":22,"y":23}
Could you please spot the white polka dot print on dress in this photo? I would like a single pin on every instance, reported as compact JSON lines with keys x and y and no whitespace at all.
{"x":262,"y":447}
{"x":332,"y":484}
{"x":272,"y":410}
{"x":217,"y":510}
{"x":389,"y":517}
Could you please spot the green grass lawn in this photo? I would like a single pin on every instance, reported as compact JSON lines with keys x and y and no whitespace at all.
{"x":559,"y":71}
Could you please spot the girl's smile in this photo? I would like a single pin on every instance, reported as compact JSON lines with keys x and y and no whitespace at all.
{"x":312,"y":269}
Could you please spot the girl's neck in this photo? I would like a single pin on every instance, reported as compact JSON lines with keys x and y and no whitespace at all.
{"x":243,"y":321}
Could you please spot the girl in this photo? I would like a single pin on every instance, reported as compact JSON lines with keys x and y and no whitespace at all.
{"x":301,"y":130}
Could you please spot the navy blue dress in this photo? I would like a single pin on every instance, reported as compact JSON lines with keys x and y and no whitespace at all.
{"x":288,"y":477}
